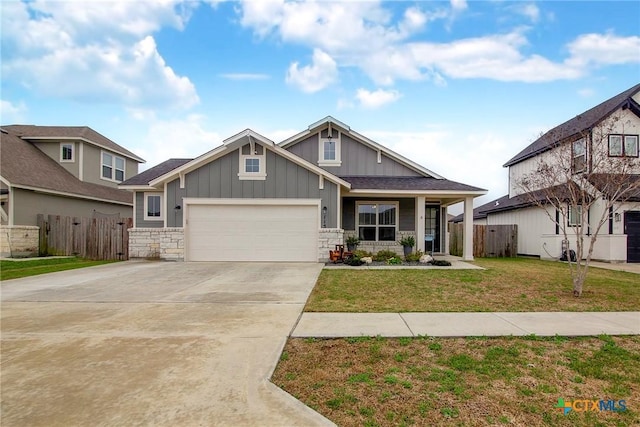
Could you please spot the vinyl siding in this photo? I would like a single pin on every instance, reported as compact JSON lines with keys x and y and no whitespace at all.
{"x":357,"y":159}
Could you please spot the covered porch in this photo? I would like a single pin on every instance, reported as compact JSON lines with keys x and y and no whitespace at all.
{"x":380,"y":211}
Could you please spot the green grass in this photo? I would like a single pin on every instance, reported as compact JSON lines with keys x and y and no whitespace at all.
{"x":464,"y":381}
{"x":506,"y":284}
{"x":10,"y":269}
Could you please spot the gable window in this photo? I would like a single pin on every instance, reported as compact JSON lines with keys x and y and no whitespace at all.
{"x":67,"y":153}
{"x":579,"y":156}
{"x":623,"y":145}
{"x":377,"y":221}
{"x":153,"y":207}
{"x":112,"y":167}
{"x":575,"y":216}
{"x":329,"y":142}
{"x":252,"y":162}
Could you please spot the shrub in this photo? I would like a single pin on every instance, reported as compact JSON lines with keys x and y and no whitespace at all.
{"x":362,"y":253}
{"x":394,"y":260}
{"x":354,"y":261}
{"x":414,"y":256}
{"x":384,"y":255}
{"x":408,"y":241}
{"x":352,"y":241}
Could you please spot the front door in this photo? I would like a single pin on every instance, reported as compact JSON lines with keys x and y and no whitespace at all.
{"x":432,"y":228}
{"x":632,"y":229}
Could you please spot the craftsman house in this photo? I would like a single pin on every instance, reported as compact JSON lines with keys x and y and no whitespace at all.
{"x":253,"y":200}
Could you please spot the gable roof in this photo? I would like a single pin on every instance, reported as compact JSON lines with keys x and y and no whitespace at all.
{"x":233,"y":143}
{"x":25,"y":166}
{"x":320,"y":124}
{"x":143,"y":178}
{"x":579,"y":124}
{"x":69,"y":133}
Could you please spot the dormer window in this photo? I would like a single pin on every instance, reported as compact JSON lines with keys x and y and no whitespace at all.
{"x":67,"y":154}
{"x":329,"y":147}
{"x":252,"y":162}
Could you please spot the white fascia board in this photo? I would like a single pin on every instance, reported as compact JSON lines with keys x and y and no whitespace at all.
{"x":311,"y":129}
{"x":294,"y":139}
{"x":138,"y":187}
{"x":190,"y":166}
{"x":248,"y":132}
{"x":439,"y":193}
{"x":72,"y":195}
{"x":82,"y":139}
{"x":6,"y":181}
{"x":409,"y":163}
{"x":331,"y":120}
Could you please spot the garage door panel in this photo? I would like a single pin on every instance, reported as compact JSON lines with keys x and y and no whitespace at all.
{"x":252,"y":233}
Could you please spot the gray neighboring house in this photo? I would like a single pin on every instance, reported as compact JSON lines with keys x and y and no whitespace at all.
{"x":58,"y":170}
{"x":253,"y":200}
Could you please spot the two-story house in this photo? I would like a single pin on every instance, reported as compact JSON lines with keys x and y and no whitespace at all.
{"x":594,"y":144}
{"x":60,"y":170}
{"x":251,"y":199}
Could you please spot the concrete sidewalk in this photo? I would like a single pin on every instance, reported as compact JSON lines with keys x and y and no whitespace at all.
{"x":334,"y":325}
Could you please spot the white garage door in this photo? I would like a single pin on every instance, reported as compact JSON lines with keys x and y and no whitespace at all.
{"x":249,"y":232}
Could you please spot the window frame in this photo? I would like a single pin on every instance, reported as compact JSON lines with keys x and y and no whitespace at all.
{"x":113,"y":167}
{"x":336,"y":138}
{"x":71,"y":145}
{"x":623,"y":145}
{"x":377,"y":225}
{"x":261,"y":174}
{"x":571,"y":216}
{"x":585,"y":167}
{"x":147,"y":195}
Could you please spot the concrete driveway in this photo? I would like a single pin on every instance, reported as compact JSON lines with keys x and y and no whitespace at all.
{"x":152,"y":343}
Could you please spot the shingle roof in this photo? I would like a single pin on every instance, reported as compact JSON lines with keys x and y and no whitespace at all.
{"x":417,"y":183}
{"x":33,"y":131}
{"x":581,"y":123}
{"x":22,"y":164}
{"x":143,"y":178}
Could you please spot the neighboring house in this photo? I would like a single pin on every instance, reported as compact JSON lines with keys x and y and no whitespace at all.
{"x":59,"y":170}
{"x":253,"y":200}
{"x":537,"y":234}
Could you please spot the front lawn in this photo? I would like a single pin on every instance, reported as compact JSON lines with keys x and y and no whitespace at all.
{"x":507,"y":284}
{"x":14,"y":269}
{"x":473,"y":381}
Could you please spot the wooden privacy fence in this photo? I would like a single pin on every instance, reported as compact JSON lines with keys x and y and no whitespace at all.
{"x":92,"y":238}
{"x":489,"y":241}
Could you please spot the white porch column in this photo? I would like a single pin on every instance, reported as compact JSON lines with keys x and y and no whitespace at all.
{"x":467,"y":251}
{"x":420,"y":223}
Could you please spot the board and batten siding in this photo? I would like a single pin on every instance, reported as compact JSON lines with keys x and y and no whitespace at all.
{"x":357,"y":158}
{"x":219,"y":179}
{"x":407,"y":216}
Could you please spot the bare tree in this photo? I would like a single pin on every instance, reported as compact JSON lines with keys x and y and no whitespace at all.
{"x":579,"y":183}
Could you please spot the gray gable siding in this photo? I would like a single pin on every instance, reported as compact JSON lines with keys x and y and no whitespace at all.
{"x":219,"y":179}
{"x":357,"y":159}
{"x":407,"y":220}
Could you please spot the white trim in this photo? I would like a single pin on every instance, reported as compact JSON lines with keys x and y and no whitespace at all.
{"x":420,"y":223}
{"x":12,"y":207}
{"x":339,"y":208}
{"x":73,"y":152}
{"x":213,"y":201}
{"x":113,"y":167}
{"x":164,"y":207}
{"x":424,"y":192}
{"x":137,"y":187}
{"x":3,"y":215}
{"x":145,"y":213}
{"x":338,"y":143}
{"x":135,"y":203}
{"x":182,"y":180}
{"x":81,"y":161}
{"x":377,"y":226}
{"x":320,"y":182}
{"x":379,"y":156}
{"x":243,"y":175}
{"x":71,"y":195}
{"x":76,"y":138}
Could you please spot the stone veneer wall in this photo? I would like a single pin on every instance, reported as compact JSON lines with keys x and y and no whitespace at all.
{"x":157,"y":243}
{"x":19,"y":240}
{"x":327,"y":240}
{"x":375,"y":247}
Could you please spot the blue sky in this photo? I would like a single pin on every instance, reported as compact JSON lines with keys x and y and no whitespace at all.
{"x":460,"y":86}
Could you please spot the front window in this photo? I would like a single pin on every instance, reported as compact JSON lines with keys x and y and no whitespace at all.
{"x":575,"y":216}
{"x":329,"y":150}
{"x":112,"y":167}
{"x":579,"y":163}
{"x":623,"y":145}
{"x":377,"y":221}
{"x":252,"y":162}
{"x":251,"y":165}
{"x":153,"y":207}
{"x":66,"y":153}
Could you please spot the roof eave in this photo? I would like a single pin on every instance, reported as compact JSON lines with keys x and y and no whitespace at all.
{"x":82,"y":139}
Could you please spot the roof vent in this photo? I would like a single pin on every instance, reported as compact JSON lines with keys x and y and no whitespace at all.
{"x":497,"y":203}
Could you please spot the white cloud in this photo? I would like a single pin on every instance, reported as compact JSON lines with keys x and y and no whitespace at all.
{"x":586,"y":92}
{"x":12,"y":113}
{"x":459,"y":4}
{"x":245,"y":76}
{"x":98,"y":51}
{"x":322,"y":72}
{"x":377,"y":98}
{"x":603,"y":49}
